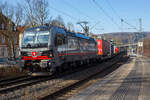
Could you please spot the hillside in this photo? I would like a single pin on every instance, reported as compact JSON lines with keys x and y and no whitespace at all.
{"x":125,"y":37}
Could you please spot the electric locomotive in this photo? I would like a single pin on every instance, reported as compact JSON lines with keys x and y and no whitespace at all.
{"x":50,"y":49}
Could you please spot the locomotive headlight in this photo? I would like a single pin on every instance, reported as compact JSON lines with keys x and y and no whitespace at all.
{"x":50,"y":55}
{"x":49,"y":63}
{"x":47,"y":53}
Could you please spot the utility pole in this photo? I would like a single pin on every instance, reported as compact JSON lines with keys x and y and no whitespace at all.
{"x":140,"y":22}
{"x":140,"y":30}
{"x":83,"y":24}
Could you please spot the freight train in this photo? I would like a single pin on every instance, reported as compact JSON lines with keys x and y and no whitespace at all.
{"x":52,"y":49}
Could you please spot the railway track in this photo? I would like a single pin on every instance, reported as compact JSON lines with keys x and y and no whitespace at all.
{"x":65,"y":92}
{"x":12,"y":85}
{"x":11,"y":79}
{"x":54,"y":84}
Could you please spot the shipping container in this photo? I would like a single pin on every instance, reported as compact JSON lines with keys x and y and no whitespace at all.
{"x":103,"y":47}
{"x":116,"y":50}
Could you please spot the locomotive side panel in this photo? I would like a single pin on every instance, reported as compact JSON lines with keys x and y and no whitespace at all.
{"x":79,"y":49}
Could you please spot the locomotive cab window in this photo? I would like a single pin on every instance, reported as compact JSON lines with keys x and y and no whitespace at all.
{"x":59,"y":40}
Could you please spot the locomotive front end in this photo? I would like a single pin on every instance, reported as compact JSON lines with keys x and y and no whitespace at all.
{"x":36,"y":54}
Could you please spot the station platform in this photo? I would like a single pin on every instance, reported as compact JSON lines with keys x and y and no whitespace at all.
{"x":130,"y":81}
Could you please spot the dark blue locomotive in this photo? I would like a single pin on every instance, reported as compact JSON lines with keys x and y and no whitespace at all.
{"x":50,"y":48}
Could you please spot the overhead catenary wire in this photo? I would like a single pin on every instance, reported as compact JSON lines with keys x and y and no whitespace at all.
{"x":94,"y":25}
{"x":130,"y":25}
{"x":100,"y":8}
{"x":76,"y":9}
{"x":64,"y":13}
{"x":122,"y":20}
{"x":81,"y":13}
{"x":113,"y":10}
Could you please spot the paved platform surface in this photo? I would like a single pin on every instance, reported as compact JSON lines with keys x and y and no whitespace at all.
{"x":131,"y":81}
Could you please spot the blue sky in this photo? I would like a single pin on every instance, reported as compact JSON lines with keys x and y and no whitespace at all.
{"x":101,"y":14}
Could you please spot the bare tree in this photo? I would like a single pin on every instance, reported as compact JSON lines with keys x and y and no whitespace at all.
{"x":12,"y":17}
{"x":37,"y":12}
{"x":58,"y":22}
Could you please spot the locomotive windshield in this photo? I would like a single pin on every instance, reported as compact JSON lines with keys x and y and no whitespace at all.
{"x":33,"y":39}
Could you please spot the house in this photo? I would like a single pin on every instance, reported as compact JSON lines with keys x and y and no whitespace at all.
{"x":5,"y":36}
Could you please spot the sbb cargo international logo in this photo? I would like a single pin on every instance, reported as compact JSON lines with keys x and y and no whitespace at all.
{"x":34,"y":54}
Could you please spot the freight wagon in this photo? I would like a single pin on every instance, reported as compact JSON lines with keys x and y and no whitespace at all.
{"x":103,"y":47}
